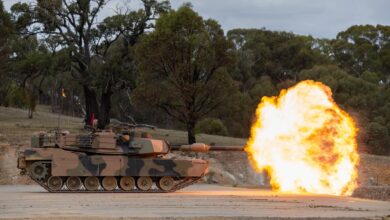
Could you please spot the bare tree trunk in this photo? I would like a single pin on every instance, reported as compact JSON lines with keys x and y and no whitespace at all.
{"x":32,"y":95}
{"x":52,"y":101}
{"x":30,"y":113}
{"x":72,"y":101}
{"x":91,"y":105}
{"x":191,"y":132}
{"x":105,"y":107}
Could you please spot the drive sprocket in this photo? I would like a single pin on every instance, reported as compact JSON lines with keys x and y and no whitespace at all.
{"x":39,"y":170}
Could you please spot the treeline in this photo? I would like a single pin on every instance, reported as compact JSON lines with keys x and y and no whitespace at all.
{"x":174,"y":69}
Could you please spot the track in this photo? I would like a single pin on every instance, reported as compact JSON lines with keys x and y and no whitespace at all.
{"x":179,"y":184}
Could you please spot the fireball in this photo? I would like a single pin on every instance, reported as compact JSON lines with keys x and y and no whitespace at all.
{"x":305,"y":142}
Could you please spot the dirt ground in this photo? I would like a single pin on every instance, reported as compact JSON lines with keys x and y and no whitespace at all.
{"x":198,"y":201}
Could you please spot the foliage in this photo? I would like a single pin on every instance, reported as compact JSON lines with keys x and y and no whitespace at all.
{"x":363,"y":48}
{"x":263,"y":87}
{"x":5,"y":30}
{"x":74,"y":25}
{"x":236,"y":113}
{"x":182,"y":67}
{"x":279,"y":55}
{"x":211,"y":126}
{"x":5,"y":35}
{"x":142,"y":65}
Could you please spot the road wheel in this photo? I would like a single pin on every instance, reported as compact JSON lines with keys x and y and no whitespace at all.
{"x":144,"y":183}
{"x":127,"y":183}
{"x":55,"y":183}
{"x":166,"y":183}
{"x":39,"y":170}
{"x":109,"y":183}
{"x":91,"y":183}
{"x":73,"y":183}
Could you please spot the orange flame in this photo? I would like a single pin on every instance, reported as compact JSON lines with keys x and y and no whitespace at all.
{"x":305,"y":142}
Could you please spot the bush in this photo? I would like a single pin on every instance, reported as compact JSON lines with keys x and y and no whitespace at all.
{"x":211,"y":126}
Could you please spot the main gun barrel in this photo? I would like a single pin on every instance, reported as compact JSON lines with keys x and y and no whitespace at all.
{"x":200,"y":147}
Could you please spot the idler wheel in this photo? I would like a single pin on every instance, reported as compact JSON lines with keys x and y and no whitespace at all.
{"x":73,"y":183}
{"x":166,"y":183}
{"x":91,"y":183}
{"x":144,"y":183}
{"x":109,"y":183}
{"x":39,"y":170}
{"x":55,"y":183}
{"x":127,"y":183}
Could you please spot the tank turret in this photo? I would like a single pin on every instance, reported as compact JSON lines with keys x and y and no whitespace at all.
{"x":120,"y":161}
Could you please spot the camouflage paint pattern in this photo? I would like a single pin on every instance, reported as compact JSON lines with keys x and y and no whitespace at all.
{"x":68,"y":163}
{"x":105,"y":154}
{"x":123,"y":166}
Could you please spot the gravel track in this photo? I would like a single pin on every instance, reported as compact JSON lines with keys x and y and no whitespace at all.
{"x":199,"y":201}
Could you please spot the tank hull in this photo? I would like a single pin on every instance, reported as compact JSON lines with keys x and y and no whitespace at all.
{"x":104,"y":161}
{"x":45,"y":165}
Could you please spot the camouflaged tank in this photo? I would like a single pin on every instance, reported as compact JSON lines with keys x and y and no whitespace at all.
{"x":111,"y":162}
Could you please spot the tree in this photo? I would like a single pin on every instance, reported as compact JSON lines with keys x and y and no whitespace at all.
{"x":75,"y":22}
{"x":280,"y":55}
{"x":5,"y":34}
{"x":363,"y":48}
{"x":30,"y":64}
{"x":118,"y":70}
{"x":182,"y":65}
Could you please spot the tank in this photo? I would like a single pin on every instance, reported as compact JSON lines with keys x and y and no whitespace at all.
{"x":111,"y":161}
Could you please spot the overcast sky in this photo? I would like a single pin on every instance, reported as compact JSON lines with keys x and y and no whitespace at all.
{"x":319,"y":18}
